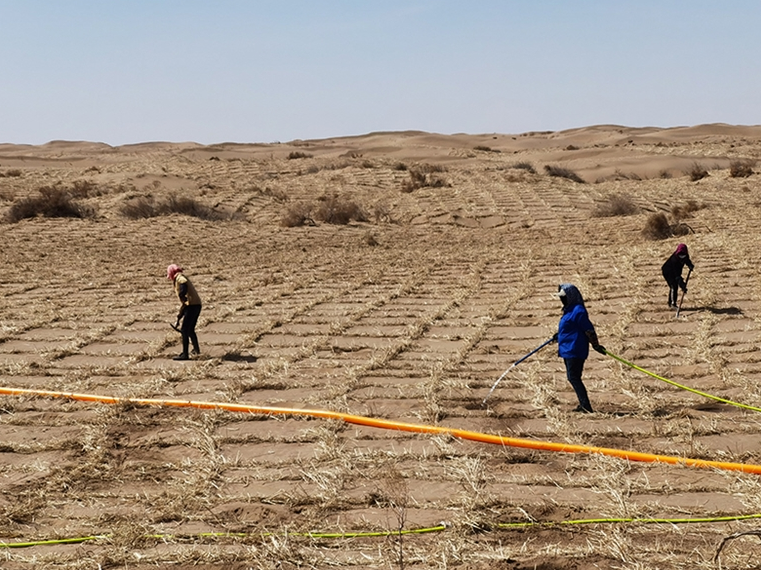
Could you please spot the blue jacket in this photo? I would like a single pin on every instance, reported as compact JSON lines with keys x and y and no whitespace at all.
{"x":574,"y":324}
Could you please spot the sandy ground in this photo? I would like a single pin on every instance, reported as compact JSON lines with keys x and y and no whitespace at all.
{"x":410,"y":315}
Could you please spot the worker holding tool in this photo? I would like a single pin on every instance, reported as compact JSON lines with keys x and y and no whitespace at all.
{"x":575,"y":334}
{"x":190,"y":309}
{"x":672,"y":272}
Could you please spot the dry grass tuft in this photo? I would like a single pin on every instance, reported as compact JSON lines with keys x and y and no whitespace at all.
{"x":484,"y":148}
{"x":658,"y":227}
{"x":52,"y":202}
{"x":424,"y":176}
{"x":337,"y":210}
{"x":296,"y":154}
{"x":616,"y":205}
{"x":741,"y":168}
{"x":686,"y":210}
{"x":12,"y":173}
{"x":696,"y":172}
{"x":330,"y":209}
{"x":562,"y":172}
{"x":527,"y":166}
{"x":298,"y":214}
{"x":147,"y":207}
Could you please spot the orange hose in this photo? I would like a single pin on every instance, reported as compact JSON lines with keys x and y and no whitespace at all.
{"x":396,"y":425}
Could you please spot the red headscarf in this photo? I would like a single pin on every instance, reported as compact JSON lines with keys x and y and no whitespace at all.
{"x":172,"y":271}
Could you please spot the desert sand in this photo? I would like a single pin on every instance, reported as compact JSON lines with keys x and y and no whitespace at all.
{"x":408,"y":312}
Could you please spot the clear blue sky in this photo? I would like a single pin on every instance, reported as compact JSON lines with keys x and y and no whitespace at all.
{"x":125,"y":71}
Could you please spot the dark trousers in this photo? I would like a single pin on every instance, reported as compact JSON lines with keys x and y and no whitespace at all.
{"x":673,"y":292}
{"x":574,"y":367}
{"x":188,"y":328}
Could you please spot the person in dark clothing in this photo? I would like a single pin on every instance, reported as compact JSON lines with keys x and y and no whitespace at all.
{"x":575,"y":334}
{"x":190,"y":309}
{"x":672,"y":272}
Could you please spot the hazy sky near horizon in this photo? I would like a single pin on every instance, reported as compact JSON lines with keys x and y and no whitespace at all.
{"x":127,"y":71}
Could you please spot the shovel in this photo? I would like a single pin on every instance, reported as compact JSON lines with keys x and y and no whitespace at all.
{"x":516,"y":363}
{"x":679,"y":308}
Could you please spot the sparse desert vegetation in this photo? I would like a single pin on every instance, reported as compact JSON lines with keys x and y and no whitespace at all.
{"x":149,"y":207}
{"x":398,"y":306}
{"x":562,"y":172}
{"x":616,"y":205}
{"x":52,"y":201}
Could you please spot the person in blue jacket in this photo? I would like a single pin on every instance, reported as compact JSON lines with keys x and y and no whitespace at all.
{"x":575,"y":334}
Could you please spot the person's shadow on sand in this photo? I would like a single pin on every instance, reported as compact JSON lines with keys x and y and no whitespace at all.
{"x":714,"y":310}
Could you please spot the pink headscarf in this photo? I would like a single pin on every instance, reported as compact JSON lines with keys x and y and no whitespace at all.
{"x":172,"y":271}
{"x":681,"y":249}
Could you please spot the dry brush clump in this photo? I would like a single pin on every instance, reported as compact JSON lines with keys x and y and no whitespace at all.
{"x":298,"y":154}
{"x":616,"y":205}
{"x":659,"y":227}
{"x":148,"y":207}
{"x":741,"y":168}
{"x":562,"y":172}
{"x":425,"y":176}
{"x":330,"y":209}
{"x":484,"y":148}
{"x":523,"y":165}
{"x":681,"y":211}
{"x":696,"y":172}
{"x":51,"y":202}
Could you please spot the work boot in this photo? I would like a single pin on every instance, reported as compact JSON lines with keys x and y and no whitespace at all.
{"x":182,"y":356}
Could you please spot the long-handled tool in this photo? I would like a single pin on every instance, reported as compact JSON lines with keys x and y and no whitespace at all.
{"x":516,"y":363}
{"x":679,"y":308}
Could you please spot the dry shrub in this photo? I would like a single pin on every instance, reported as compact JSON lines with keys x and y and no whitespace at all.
{"x":423,"y":176}
{"x":658,"y":227}
{"x":298,"y":214}
{"x":335,"y":210}
{"x":527,"y":166}
{"x":484,"y":148}
{"x":12,"y":173}
{"x":697,"y":172}
{"x":400,"y":166}
{"x":147,"y":208}
{"x":85,"y":189}
{"x":741,"y":168}
{"x":139,"y":208}
{"x":417,"y":180}
{"x":616,"y":205}
{"x":686,"y":210}
{"x":52,"y":202}
{"x":619,"y":175}
{"x":298,"y":154}
{"x":561,"y":172}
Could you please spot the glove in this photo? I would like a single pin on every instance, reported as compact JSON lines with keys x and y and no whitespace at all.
{"x":555,"y":337}
{"x":599,"y":348}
